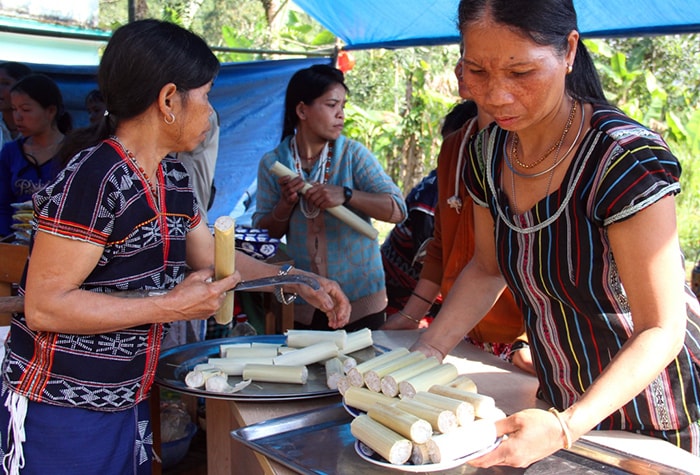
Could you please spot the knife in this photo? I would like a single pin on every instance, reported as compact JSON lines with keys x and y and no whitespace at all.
{"x":16,"y":304}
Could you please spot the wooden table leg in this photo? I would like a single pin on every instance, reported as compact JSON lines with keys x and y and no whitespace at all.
{"x":278,"y":317}
{"x":225,"y":455}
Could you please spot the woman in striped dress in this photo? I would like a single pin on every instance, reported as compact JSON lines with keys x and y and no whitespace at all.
{"x":575,"y":213}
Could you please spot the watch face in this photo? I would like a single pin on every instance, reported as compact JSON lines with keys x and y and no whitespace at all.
{"x":348,"y":193}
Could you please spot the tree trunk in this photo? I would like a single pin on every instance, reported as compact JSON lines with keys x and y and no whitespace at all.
{"x":272,"y":9}
{"x":141,"y":10}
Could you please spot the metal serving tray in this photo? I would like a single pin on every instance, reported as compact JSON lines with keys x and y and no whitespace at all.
{"x":176,"y":362}
{"x":319,"y":442}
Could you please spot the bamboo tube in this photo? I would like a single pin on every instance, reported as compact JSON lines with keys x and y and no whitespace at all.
{"x":483,"y":405}
{"x":356,"y":374}
{"x":395,"y":448}
{"x":390,"y":382}
{"x":363,"y":399}
{"x":226,"y":346}
{"x":462,"y":441}
{"x":440,"y":419}
{"x":348,"y":362}
{"x":420,"y":454}
{"x":334,"y":371}
{"x":198,"y":376}
{"x":357,"y":340}
{"x":257,"y":352}
{"x":302,"y":338}
{"x":340,"y":212}
{"x":464,"y":383}
{"x":343,"y":385}
{"x":408,"y":425}
{"x":442,"y":374}
{"x":462,"y":409}
{"x":225,"y":262}
{"x":276,"y":374}
{"x":321,"y":351}
{"x":235,"y":366}
{"x":373,"y":377}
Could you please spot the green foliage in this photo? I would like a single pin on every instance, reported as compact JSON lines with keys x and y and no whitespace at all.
{"x":655,"y":80}
{"x":399,"y":97}
{"x":410,"y":91}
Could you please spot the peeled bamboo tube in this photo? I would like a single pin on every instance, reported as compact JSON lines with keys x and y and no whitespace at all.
{"x":408,"y":425}
{"x":348,"y":362}
{"x":441,"y":374}
{"x":252,"y":352}
{"x":340,"y":212}
{"x":199,"y":375}
{"x":235,"y":366}
{"x":440,"y":419}
{"x":420,"y":454}
{"x":462,"y":409}
{"x":262,"y":344}
{"x":395,"y":448}
{"x":373,"y":377}
{"x":304,"y":338}
{"x":464,"y":383}
{"x":356,"y":374}
{"x":363,"y":399}
{"x":276,"y":374}
{"x":218,"y":384}
{"x":226,"y":346}
{"x":285,"y":349}
{"x":357,"y":340}
{"x":334,"y":371}
{"x":224,"y":262}
{"x":390,"y":382}
{"x":483,"y":405}
{"x":308,"y":355}
{"x":463,"y":441}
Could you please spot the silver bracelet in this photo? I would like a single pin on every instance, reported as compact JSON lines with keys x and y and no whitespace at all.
{"x":281,"y":297}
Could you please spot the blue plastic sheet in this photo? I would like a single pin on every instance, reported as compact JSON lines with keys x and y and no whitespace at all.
{"x":365,"y":24}
{"x":249,"y":98}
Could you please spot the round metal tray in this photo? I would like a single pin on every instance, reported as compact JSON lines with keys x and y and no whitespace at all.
{"x":176,"y":362}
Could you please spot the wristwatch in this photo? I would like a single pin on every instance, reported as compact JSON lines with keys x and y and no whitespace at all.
{"x":281,"y":297}
{"x":347,"y":193}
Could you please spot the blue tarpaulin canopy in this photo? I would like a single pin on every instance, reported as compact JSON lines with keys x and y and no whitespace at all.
{"x":249,"y":97}
{"x":364,"y":24}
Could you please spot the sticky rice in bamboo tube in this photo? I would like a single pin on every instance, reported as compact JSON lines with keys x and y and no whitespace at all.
{"x":340,"y":212}
{"x":224,"y":262}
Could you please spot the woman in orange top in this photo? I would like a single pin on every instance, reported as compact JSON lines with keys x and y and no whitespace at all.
{"x":501,"y":331}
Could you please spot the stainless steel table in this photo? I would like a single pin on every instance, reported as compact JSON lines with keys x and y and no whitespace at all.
{"x":512,"y":389}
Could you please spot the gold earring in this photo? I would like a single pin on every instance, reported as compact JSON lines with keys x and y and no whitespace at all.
{"x":569,"y":68}
{"x":172,"y":119}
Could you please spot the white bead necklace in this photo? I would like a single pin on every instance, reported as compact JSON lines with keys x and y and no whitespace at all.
{"x":319,"y":173}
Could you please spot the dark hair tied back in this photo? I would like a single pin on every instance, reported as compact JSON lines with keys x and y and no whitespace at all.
{"x":141,"y":58}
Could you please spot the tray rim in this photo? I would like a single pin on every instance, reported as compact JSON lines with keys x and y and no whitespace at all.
{"x":331,"y":413}
{"x":180,"y":387}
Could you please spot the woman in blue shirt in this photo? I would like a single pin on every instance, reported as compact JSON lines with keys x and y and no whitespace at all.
{"x":29,"y":163}
{"x":341,"y":172}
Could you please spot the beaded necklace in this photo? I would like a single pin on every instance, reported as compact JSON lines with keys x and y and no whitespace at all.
{"x":319,"y":173}
{"x":556,"y":146}
{"x":454,"y":201}
{"x":557,"y":159}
